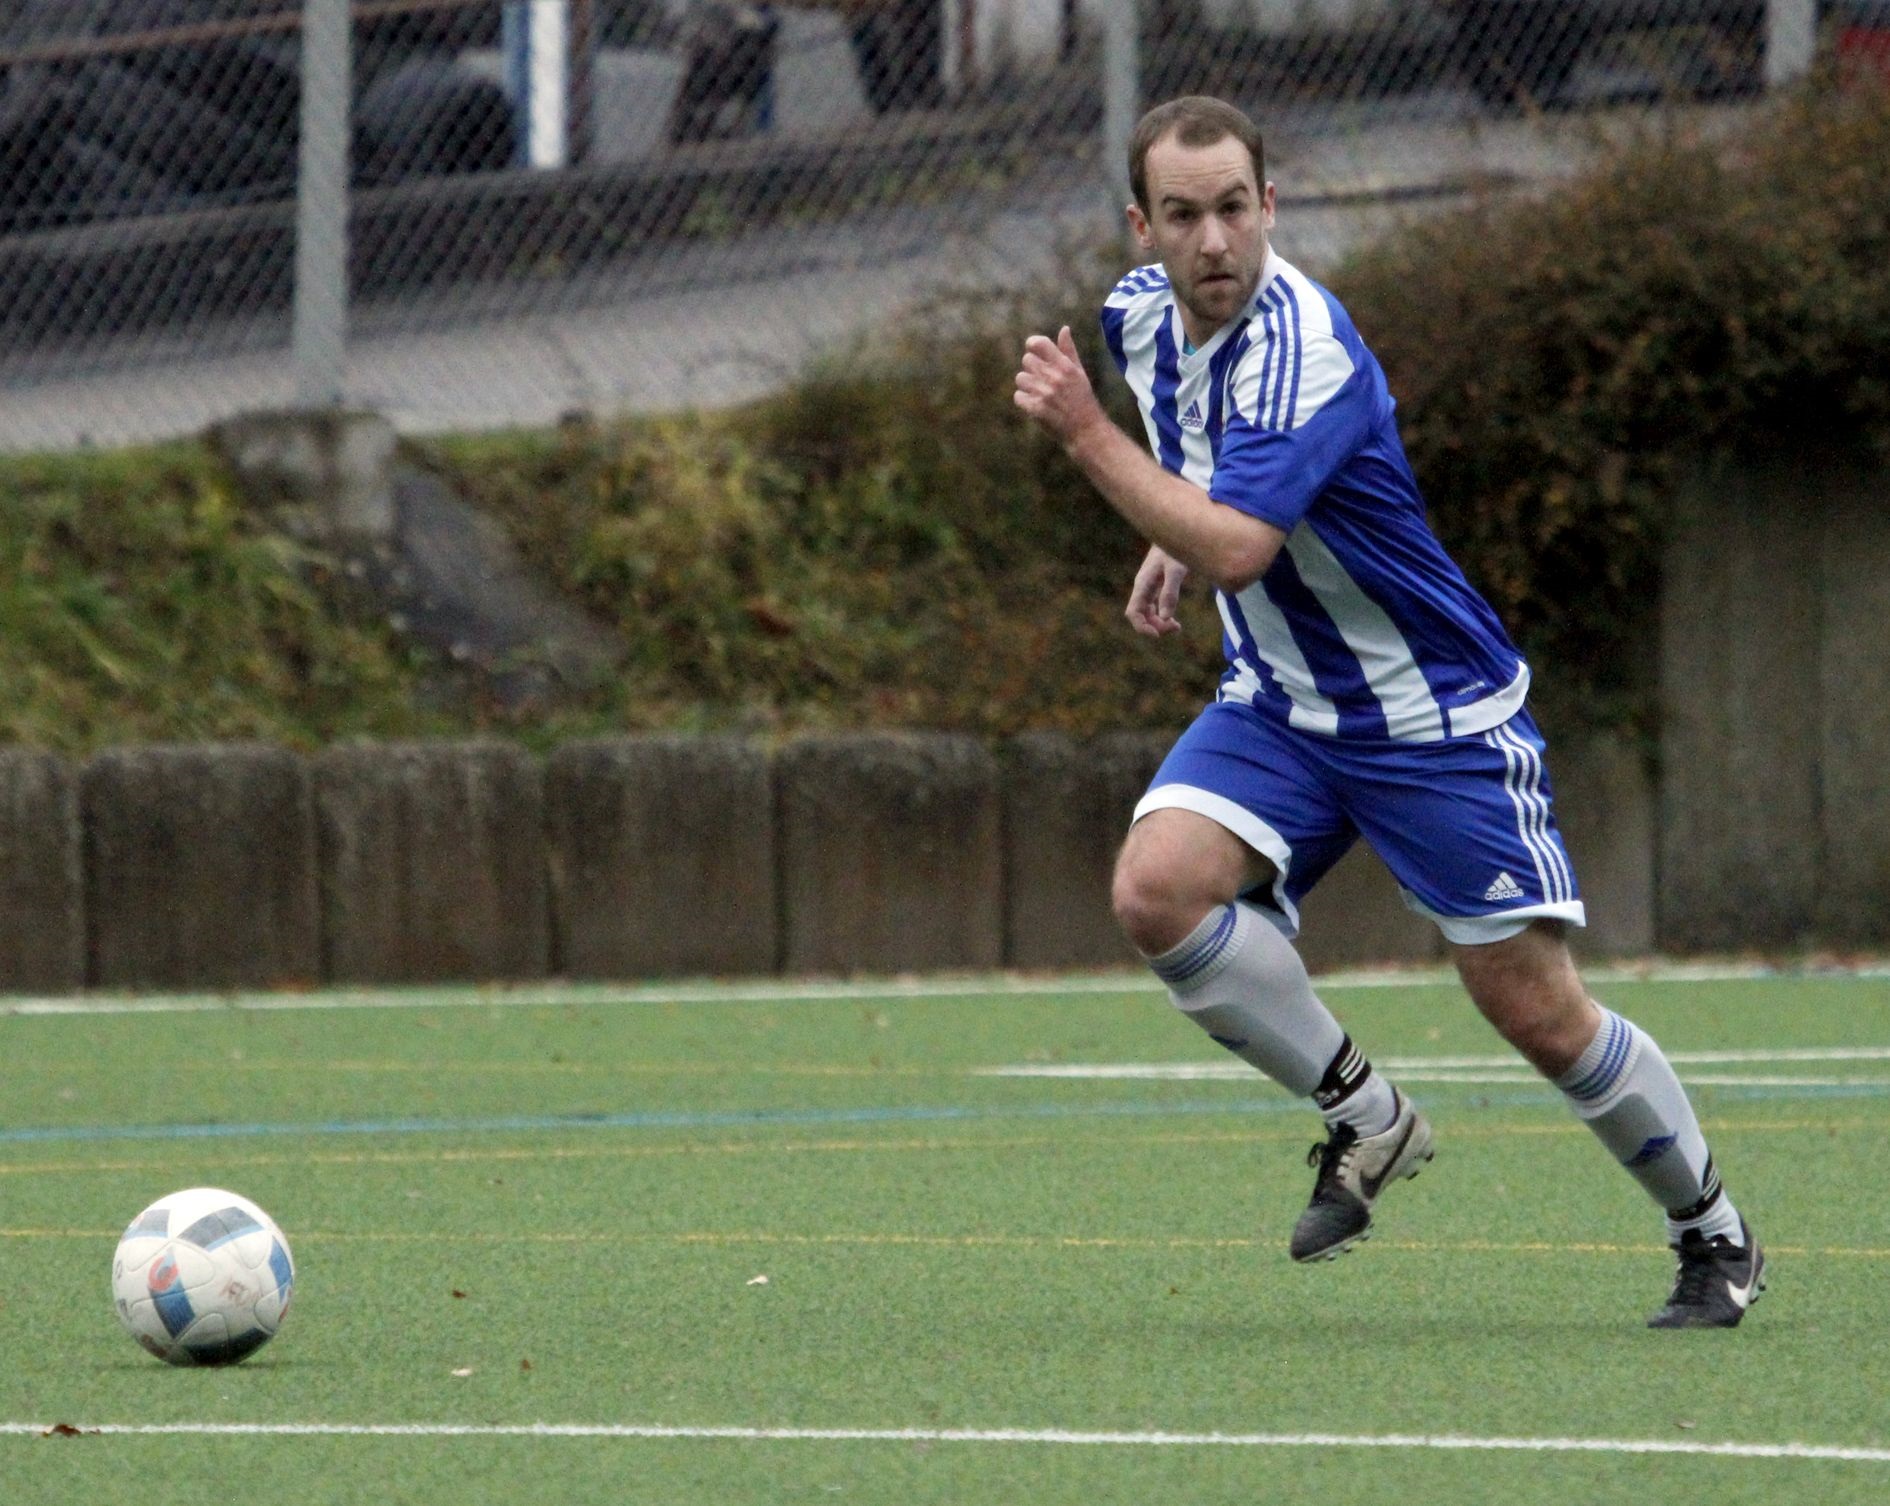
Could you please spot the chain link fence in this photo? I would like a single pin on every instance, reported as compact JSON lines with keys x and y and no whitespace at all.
{"x":470,"y":213}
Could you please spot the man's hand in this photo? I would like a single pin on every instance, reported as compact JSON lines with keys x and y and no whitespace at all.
{"x":1053,"y":389}
{"x":1155,"y":594}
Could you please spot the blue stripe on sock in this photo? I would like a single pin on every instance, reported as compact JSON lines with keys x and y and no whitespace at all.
{"x":1607,"y":1071}
{"x":1174,"y":971}
{"x":1601,"y":1080}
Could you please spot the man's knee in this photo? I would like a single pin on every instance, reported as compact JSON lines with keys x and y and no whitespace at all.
{"x":1174,"y":868}
{"x":1149,"y":904}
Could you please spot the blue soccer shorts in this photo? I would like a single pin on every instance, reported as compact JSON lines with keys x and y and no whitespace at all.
{"x":1466,"y":826}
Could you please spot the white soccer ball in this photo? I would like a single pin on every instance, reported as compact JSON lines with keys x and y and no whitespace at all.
{"x":202,"y":1277}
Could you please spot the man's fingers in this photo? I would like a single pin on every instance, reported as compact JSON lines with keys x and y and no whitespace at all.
{"x":1052,"y":352}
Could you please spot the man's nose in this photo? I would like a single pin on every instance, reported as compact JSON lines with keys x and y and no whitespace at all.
{"x":1213,"y":237}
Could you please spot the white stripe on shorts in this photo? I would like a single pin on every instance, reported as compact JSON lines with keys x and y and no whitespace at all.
{"x":1523,"y":781}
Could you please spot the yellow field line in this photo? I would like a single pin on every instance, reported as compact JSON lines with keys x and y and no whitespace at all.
{"x":733,"y":1238}
{"x":503,"y":1154}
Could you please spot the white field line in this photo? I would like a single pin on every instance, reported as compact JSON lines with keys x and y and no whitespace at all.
{"x":1471,"y":1069}
{"x":1683,"y":1058}
{"x":1130,"y":981}
{"x":980,"y":1435}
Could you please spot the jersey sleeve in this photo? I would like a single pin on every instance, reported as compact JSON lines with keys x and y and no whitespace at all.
{"x":1299,"y":407}
{"x":1113,"y":320}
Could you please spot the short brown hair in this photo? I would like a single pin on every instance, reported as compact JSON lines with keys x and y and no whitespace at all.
{"x":1193,"y":120}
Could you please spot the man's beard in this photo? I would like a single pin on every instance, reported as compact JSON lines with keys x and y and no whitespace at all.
{"x":1237,"y":292}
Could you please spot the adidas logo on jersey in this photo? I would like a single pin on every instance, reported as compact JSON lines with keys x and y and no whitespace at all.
{"x":1192,"y":420}
{"x":1505,"y":887}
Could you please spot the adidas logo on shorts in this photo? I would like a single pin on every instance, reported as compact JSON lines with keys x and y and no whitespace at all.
{"x":1505,"y":887}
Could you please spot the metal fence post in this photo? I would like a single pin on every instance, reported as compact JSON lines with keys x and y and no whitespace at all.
{"x":1791,"y":40}
{"x":1121,"y":90}
{"x":536,"y":43}
{"x":321,"y":206}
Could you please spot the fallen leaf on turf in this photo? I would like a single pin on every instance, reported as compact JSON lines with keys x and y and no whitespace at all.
{"x":462,"y":1374}
{"x":757,"y":1280}
{"x":63,"y":1430}
{"x":1680,"y":1424}
{"x":457,"y":1292}
{"x":524,"y":1364}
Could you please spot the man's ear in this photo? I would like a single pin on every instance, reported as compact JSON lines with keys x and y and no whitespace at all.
{"x":1138,"y":226}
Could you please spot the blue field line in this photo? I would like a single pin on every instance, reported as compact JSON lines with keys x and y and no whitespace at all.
{"x":677,"y":1119}
{"x":972,"y":987}
{"x":1774,"y":1090}
{"x":684,"y":1119}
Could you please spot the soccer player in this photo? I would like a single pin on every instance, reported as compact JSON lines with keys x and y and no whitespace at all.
{"x":1369,"y":691}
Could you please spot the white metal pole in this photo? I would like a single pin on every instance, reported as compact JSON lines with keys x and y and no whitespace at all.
{"x":1791,"y":40}
{"x":1121,"y":88}
{"x":537,"y":37}
{"x":319,"y":339}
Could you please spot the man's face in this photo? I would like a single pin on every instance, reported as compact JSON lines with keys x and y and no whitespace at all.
{"x":1207,"y":221}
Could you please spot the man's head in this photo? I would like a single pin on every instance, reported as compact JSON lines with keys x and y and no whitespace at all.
{"x":1202,"y":205}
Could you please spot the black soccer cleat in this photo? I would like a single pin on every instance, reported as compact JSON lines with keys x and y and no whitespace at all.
{"x":1352,"y":1172}
{"x":1716,"y":1282}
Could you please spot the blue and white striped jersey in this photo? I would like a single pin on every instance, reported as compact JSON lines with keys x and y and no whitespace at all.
{"x":1363,"y":627}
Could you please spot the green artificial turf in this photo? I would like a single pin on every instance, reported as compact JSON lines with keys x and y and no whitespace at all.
{"x":573,"y":1201}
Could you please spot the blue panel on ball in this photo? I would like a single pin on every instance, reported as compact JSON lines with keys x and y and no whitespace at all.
{"x":229,"y":1351}
{"x":279,"y":1263}
{"x":152,"y":1221}
{"x":218,"y":1228}
{"x":168,"y":1296}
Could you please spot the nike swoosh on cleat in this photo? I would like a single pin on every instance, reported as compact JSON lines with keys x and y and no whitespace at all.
{"x":1372,"y":1184}
{"x":1746,"y":1295}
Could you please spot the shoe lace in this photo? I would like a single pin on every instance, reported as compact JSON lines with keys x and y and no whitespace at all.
{"x":1329,"y":1154}
{"x":1698,"y":1269}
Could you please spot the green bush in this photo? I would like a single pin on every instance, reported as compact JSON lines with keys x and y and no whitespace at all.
{"x":886,"y":542}
{"x":1558,"y":360}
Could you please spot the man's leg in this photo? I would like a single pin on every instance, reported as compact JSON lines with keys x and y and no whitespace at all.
{"x":1619,"y":1082}
{"x":1176,"y":895}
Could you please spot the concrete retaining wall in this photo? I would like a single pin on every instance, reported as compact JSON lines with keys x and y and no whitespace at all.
{"x":1605,"y":806}
{"x":199,"y":868}
{"x":1067,"y":805}
{"x":1853,"y":753}
{"x":1775,"y":717}
{"x":662,"y":857}
{"x":432,"y":862}
{"x":890,"y":850}
{"x":42,"y":910}
{"x":191,"y":867}
{"x":1355,"y":917}
{"x":1739,"y":714}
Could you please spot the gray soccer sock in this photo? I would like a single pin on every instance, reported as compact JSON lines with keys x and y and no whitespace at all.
{"x":1624,"y":1088}
{"x":1352,"y":1093}
{"x":1243,"y":983}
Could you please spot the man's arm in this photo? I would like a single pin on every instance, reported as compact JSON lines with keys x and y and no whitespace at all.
{"x":1226,"y":545}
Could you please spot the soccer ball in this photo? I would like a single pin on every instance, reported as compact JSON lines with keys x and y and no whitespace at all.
{"x":202,"y":1277}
